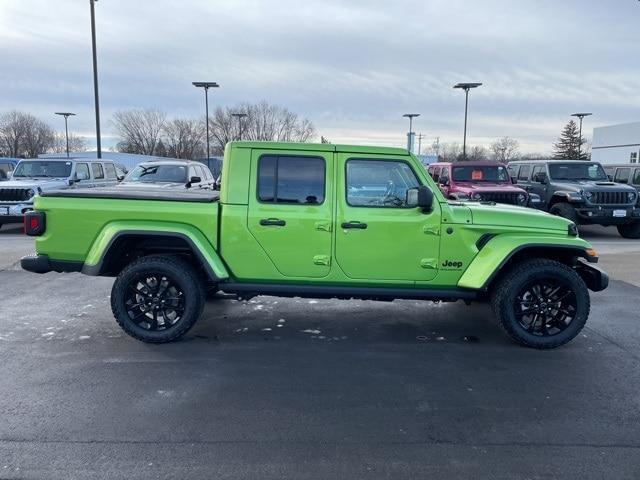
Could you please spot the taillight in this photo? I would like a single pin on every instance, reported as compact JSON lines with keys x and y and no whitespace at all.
{"x":34,"y":223}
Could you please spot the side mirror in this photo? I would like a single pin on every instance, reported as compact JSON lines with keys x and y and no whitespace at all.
{"x":420,"y":197}
{"x":443,"y":181}
{"x":540,"y":177}
{"x":193,"y":180}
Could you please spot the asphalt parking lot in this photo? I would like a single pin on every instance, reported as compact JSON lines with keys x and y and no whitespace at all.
{"x":276,"y":388}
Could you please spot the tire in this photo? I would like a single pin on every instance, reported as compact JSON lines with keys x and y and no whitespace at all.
{"x":157,"y":299}
{"x":565,"y":210}
{"x":630,"y":230}
{"x":541,"y":318}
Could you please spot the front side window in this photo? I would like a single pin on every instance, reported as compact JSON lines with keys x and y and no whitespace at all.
{"x":489,"y":173}
{"x":622,"y":175}
{"x":379,"y":183}
{"x":535,"y":174}
{"x":577,"y":171}
{"x":293,"y":180}
{"x":98,"y":172}
{"x":636,"y":177}
{"x":37,"y":168}
{"x":524,"y":172}
{"x":82,"y":170}
{"x":513,"y":171}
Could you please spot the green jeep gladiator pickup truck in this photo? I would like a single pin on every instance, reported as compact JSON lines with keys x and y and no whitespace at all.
{"x":319,"y":221}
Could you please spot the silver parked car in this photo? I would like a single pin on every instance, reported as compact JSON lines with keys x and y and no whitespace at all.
{"x":33,"y":176}
{"x":170,"y":174}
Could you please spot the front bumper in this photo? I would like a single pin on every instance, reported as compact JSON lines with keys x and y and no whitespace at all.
{"x":14,"y":212}
{"x":595,"y":278}
{"x":607,"y":215}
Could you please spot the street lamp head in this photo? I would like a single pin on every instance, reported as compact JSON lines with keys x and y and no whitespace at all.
{"x":467,"y":86}
{"x":581,"y":115}
{"x":239,"y":115}
{"x":65,"y":114}
{"x":411,"y":115}
{"x":205,"y":84}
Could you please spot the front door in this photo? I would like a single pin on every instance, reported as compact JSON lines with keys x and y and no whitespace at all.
{"x":291,"y":209}
{"x":378,"y":237}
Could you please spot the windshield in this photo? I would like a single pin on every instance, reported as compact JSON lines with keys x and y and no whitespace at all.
{"x":486,"y":173}
{"x":158,"y":173}
{"x":577,"y":171}
{"x":42,"y":169}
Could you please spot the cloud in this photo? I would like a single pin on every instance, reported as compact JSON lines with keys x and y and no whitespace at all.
{"x":351,"y":67}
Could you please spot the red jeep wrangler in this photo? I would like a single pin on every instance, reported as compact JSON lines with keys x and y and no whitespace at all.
{"x":479,"y":182}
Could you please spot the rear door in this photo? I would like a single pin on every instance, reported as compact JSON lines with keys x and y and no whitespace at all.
{"x":291,"y":209}
{"x":110,"y":173}
{"x":98,"y":174}
{"x":377,"y":236}
{"x":537,"y":187}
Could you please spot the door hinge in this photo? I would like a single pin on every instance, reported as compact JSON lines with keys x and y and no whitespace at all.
{"x":323,"y":226}
{"x":322,"y":260}
{"x":429,"y":263}
{"x":429,"y":230}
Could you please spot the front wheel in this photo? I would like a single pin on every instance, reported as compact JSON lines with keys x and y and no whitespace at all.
{"x":630,"y":230}
{"x":541,"y":303}
{"x":157,"y":299}
{"x":565,"y":210}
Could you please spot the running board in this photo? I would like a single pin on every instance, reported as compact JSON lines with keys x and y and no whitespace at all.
{"x":249,"y":290}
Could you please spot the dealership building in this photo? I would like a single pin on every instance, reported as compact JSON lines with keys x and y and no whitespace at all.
{"x":616,"y":143}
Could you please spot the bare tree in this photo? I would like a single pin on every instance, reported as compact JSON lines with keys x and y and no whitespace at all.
{"x":477,"y":154}
{"x":23,"y":135}
{"x":264,"y":122}
{"x":505,"y":149}
{"x":183,"y":138}
{"x":139,"y":130}
{"x":76,"y":143}
{"x":449,"y":152}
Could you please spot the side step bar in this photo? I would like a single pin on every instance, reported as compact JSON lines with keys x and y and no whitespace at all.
{"x":249,"y":290}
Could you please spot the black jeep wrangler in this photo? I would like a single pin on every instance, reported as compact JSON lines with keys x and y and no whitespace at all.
{"x":581,"y":192}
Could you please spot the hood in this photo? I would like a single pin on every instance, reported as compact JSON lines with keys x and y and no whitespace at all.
{"x":488,"y":187}
{"x":35,"y":183}
{"x":154,"y":185}
{"x":590,"y":185}
{"x":514,"y":216}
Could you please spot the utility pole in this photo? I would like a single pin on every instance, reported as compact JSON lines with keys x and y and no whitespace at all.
{"x":466,"y":87}
{"x":66,"y":115}
{"x":420,"y":137}
{"x":95,"y":76}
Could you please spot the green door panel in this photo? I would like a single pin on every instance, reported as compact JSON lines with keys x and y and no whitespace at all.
{"x":294,"y":236}
{"x":399,"y":244}
{"x":497,"y":250}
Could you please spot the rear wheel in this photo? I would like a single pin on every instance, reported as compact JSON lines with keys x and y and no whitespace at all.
{"x":157,"y":299}
{"x":541,"y":303}
{"x":566,"y":211}
{"x":630,"y":230}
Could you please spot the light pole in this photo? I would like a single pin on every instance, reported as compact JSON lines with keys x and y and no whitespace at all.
{"x":95,"y":76}
{"x":410,"y":116}
{"x":420,"y":137}
{"x":466,"y":87}
{"x":239,"y":116}
{"x":66,"y":115}
{"x":206,"y":86}
{"x":580,"y":116}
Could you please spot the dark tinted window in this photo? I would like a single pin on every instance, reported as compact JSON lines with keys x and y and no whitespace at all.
{"x":111,"y":170}
{"x":536,"y":170}
{"x":435,"y":173}
{"x":291,"y":179}
{"x":98,"y":172}
{"x":480,"y":174}
{"x":524,"y":172}
{"x":577,"y":171}
{"x":622,"y":175}
{"x":376,"y":183}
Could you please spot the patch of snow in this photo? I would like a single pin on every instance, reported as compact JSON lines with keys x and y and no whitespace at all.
{"x":313,"y":301}
{"x":84,"y":337}
{"x":267,"y":329}
{"x":309,"y":330}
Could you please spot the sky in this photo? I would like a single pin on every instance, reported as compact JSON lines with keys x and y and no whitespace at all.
{"x":353,"y":67}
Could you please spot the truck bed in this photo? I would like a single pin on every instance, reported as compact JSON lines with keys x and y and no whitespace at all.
{"x":129,"y":193}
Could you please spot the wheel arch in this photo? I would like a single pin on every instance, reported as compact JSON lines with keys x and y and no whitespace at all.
{"x":114,"y":250}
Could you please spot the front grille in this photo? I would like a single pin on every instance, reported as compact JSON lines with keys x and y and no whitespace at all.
{"x":610,"y":198}
{"x":500,"y":197}
{"x":14,"y":194}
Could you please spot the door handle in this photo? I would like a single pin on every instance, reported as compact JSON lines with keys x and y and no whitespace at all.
{"x":276,"y":222}
{"x":360,"y":225}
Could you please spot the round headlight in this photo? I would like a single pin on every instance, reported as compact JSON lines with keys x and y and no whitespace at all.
{"x":31,"y":193}
{"x":631,"y":196}
{"x":477,"y":197}
{"x":522,"y":198}
{"x":588,"y":195}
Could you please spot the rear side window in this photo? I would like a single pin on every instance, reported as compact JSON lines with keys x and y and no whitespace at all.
{"x":5,"y":169}
{"x":435,"y":174}
{"x":111,"y":171}
{"x":98,"y":172}
{"x":293,"y":180}
{"x":82,"y":169}
{"x":379,"y":183}
{"x":524,"y":172}
{"x":622,"y":175}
